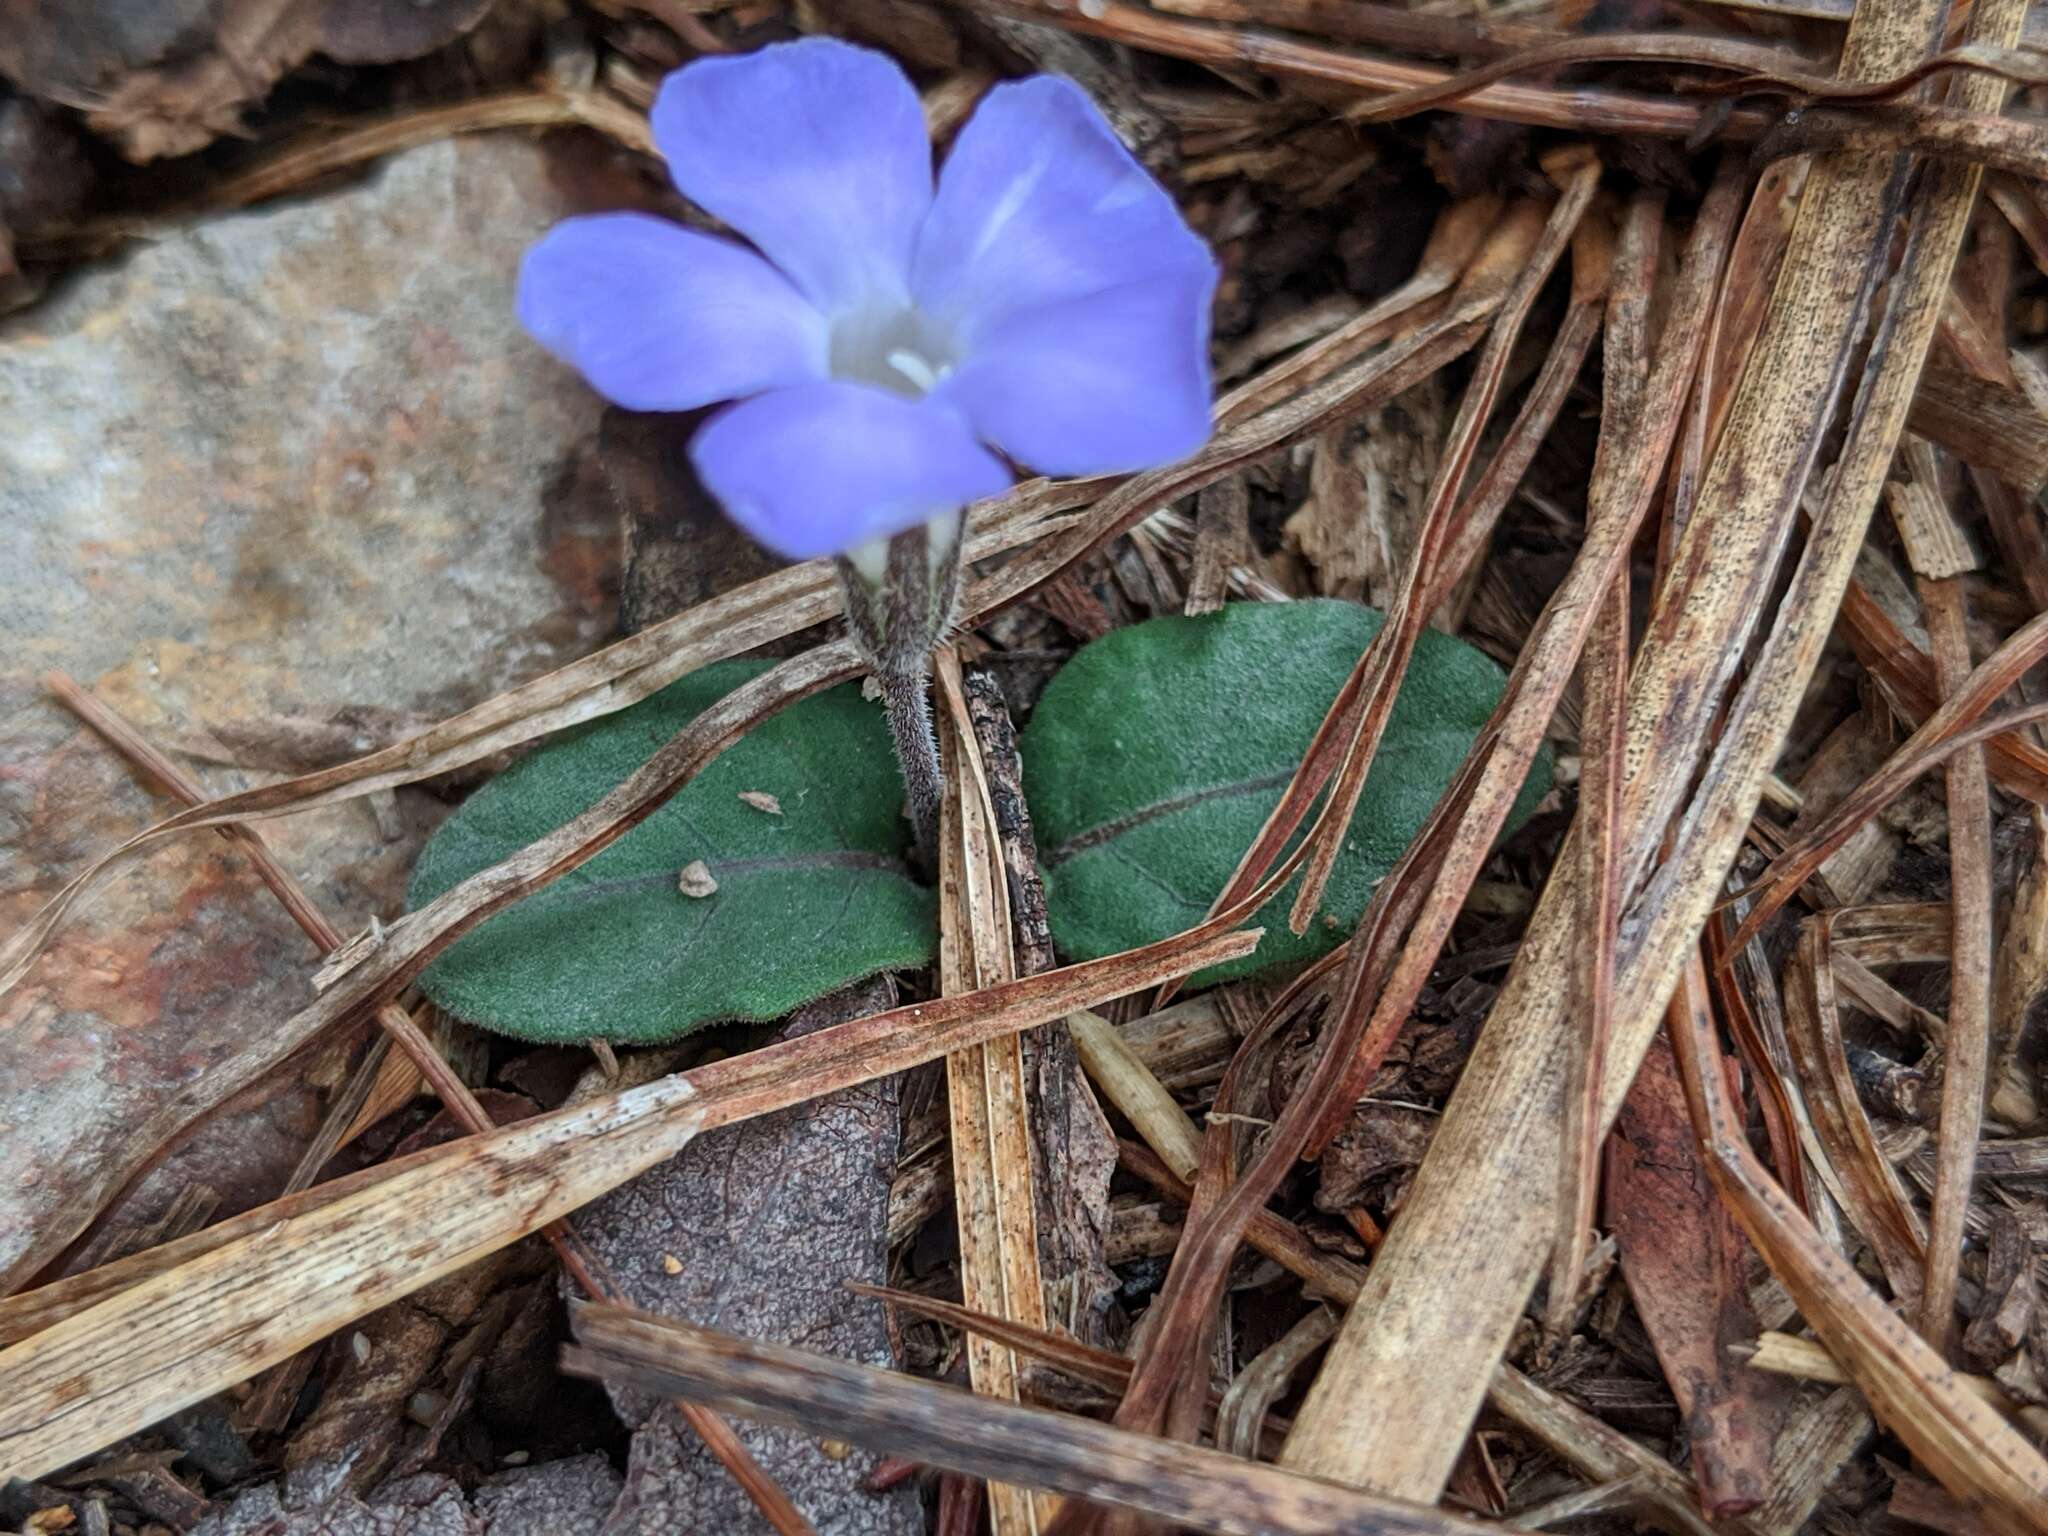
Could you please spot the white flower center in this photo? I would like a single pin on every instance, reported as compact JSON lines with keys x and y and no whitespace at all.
{"x":895,"y":348}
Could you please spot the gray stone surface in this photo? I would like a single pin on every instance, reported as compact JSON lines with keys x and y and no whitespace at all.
{"x":755,"y":1229}
{"x":569,"y":1497}
{"x":280,"y":487}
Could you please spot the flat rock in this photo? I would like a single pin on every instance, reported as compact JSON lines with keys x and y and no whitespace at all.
{"x":755,"y":1229}
{"x":282,"y":487}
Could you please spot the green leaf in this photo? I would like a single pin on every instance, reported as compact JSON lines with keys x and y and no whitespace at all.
{"x":806,"y":900}
{"x":1156,"y":753}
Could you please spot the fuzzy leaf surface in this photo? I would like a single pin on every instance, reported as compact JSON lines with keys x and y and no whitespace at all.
{"x":1156,"y":753}
{"x":805,"y":901}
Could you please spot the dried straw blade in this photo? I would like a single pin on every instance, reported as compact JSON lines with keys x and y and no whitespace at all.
{"x":301,"y":1270}
{"x":1198,"y":1489}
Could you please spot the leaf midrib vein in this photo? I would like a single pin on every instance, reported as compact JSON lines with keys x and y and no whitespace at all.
{"x":1109,"y":831}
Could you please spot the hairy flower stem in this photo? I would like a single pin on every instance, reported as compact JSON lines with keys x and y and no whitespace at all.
{"x":906,"y":699}
{"x":900,"y":597}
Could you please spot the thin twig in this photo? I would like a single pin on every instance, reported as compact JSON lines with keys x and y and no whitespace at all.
{"x":1187,"y":1485}
{"x":1625,"y":365}
{"x":1939,"y":556}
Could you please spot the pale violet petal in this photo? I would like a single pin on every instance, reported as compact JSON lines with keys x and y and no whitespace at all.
{"x":1115,"y":381}
{"x":661,"y":318}
{"x":821,"y":468}
{"x":1039,"y":203}
{"x":816,"y":151}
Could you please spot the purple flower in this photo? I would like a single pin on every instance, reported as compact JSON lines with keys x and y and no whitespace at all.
{"x":1045,"y":300}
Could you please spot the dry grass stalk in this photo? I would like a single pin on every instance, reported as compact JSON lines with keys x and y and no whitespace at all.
{"x":1601,"y":1453}
{"x":1939,"y":555}
{"x":1468,"y":244}
{"x":1223,"y":1218}
{"x":1479,"y":1216}
{"x":2022,"y":976}
{"x":1481,"y":509}
{"x":1142,"y":1099}
{"x":427,"y":1066}
{"x":1957,"y":725}
{"x":1378,"y":673}
{"x":1787,"y":1354}
{"x":1625,"y":475}
{"x":1486,"y":285}
{"x":1977,"y":1455}
{"x":1241,"y":1417}
{"x":1324,"y":1274}
{"x":1625,"y":373}
{"x":1905,"y":676}
{"x":1191,"y":1487}
{"x":307,"y":1266}
{"x":1966,"y":136}
{"x":1760,"y":64}
{"x":1858,"y":1174}
{"x":988,"y":1112}
{"x":1990,"y":425}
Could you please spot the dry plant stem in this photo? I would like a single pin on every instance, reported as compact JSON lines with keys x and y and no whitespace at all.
{"x":1968,"y":1054}
{"x":293,"y":167}
{"x":1190,"y":1487}
{"x":1479,"y":1217}
{"x":1353,"y":1045}
{"x":1274,"y":1236}
{"x":1139,"y":1096}
{"x":1484,"y":288}
{"x":1961,"y":1439}
{"x":1455,"y":240}
{"x":1761,"y":65}
{"x":399,"y":1027}
{"x":1599,"y":1451}
{"x":1973,"y":135}
{"x":1958,"y":724}
{"x":1573,"y":1435}
{"x":287,"y":1274}
{"x":1241,"y":1417}
{"x":1786,"y":1354}
{"x":1625,"y":376}
{"x":1858,"y":1174}
{"x":1548,"y":659}
{"x":1905,"y":677}
{"x":987,"y":1105}
{"x":1379,"y":671}
{"x":1087,"y":1363}
{"x":1472,"y":812}
{"x":1481,"y":509}
{"x":1221,"y":1209}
